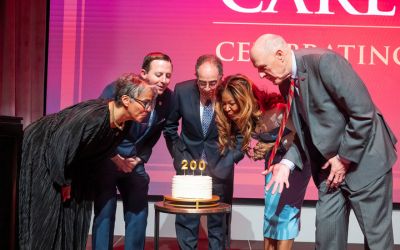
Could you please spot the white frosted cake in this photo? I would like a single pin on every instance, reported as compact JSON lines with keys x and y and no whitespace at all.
{"x":192,"y":187}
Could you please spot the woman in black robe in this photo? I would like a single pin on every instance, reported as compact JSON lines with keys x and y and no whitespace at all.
{"x":59,"y":154}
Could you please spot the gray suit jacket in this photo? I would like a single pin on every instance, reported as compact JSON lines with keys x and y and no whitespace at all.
{"x":341,"y":117}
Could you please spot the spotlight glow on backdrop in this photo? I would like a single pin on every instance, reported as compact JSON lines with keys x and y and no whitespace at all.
{"x":92,"y":42}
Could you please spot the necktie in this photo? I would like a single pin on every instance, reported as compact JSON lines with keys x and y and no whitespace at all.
{"x":207,"y":116}
{"x":283,"y":123}
{"x":205,"y":122}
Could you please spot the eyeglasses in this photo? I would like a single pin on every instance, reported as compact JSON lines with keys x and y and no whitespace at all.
{"x":211,"y":84}
{"x":145,"y":104}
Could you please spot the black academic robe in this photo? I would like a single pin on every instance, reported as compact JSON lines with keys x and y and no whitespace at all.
{"x":62,"y":149}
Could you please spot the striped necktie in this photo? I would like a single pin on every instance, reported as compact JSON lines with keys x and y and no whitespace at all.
{"x":283,"y":123}
{"x":205,"y":123}
{"x":207,"y":116}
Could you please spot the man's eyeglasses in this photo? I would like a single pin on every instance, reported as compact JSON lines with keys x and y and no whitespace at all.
{"x":145,"y":104}
{"x":210,"y":84}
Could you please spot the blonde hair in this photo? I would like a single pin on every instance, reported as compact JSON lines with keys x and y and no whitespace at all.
{"x":241,"y":88}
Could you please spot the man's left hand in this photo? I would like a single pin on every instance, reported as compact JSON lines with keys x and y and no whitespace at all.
{"x":338,"y":172}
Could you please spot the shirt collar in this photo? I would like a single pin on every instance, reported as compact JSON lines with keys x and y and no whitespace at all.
{"x":294,"y":66}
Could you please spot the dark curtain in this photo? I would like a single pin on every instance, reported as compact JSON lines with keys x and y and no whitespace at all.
{"x":22,"y":58}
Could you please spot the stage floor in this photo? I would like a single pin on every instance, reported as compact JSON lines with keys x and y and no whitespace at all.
{"x":171,"y":244}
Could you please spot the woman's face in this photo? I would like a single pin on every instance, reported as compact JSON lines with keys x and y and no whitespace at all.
{"x":139,"y":108}
{"x":229,"y":105}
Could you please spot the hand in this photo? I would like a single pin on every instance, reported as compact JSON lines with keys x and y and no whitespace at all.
{"x":133,"y":161}
{"x":125,"y":165}
{"x":337,"y":173}
{"x":261,"y":149}
{"x":280,"y":177}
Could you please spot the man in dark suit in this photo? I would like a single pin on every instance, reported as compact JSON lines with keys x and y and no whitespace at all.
{"x":341,"y":133}
{"x":198,"y":140}
{"x":126,"y":170}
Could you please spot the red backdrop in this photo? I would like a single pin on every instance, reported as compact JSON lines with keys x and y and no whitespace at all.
{"x":92,"y":42}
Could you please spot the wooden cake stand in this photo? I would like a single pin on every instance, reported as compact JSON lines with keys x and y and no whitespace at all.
{"x":191,"y":203}
{"x":191,"y":206}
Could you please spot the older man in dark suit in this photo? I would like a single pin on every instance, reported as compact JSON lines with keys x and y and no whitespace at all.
{"x":193,"y":104}
{"x":341,"y":133}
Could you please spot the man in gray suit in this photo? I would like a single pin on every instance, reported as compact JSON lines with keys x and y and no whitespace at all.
{"x":341,"y":133}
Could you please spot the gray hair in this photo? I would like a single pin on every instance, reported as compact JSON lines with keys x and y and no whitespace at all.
{"x":133,"y":86}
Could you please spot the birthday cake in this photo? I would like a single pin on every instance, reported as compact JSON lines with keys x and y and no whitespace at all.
{"x":192,"y":187}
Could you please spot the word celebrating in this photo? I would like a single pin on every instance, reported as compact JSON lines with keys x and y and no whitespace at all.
{"x":360,"y":54}
{"x":323,"y":8}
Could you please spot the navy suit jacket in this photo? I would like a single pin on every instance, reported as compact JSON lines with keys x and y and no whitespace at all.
{"x":142,"y":138}
{"x":190,"y":144}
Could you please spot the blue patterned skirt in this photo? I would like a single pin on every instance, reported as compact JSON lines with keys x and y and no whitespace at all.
{"x":282,"y":210}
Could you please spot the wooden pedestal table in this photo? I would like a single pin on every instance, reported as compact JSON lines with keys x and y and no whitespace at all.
{"x":190,"y":206}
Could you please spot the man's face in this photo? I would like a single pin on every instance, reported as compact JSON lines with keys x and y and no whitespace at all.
{"x":208,"y":80}
{"x":158,"y":75}
{"x":272,"y":66}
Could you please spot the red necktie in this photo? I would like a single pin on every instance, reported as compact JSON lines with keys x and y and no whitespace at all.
{"x":283,"y":123}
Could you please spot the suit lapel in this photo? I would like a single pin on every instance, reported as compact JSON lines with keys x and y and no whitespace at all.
{"x":294,"y":110}
{"x":148,"y":127}
{"x":303,"y":94}
{"x":295,"y":116}
{"x":301,"y":99}
{"x":302,"y":86}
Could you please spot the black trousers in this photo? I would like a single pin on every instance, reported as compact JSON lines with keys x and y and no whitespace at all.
{"x":187,"y":226}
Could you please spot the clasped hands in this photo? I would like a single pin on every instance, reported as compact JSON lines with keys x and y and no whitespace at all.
{"x":125,"y":165}
{"x":260,"y":150}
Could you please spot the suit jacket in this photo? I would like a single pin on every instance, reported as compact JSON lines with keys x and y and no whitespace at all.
{"x":143,"y":136}
{"x":191,"y":142}
{"x":341,"y":119}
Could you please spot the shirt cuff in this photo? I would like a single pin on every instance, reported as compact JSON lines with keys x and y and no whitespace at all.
{"x":288,"y":163}
{"x":343,"y":160}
